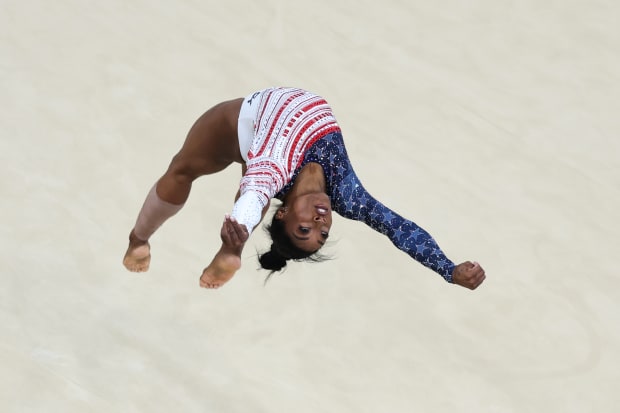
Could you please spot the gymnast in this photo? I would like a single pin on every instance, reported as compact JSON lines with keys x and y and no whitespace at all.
{"x":290,"y":148}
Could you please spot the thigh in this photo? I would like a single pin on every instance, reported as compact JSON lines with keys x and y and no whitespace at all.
{"x":212,"y":142}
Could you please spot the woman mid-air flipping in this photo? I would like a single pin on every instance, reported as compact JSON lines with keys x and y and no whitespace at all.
{"x":290,"y":147}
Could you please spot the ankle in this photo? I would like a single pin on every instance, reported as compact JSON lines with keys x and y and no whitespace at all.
{"x":133,"y":239}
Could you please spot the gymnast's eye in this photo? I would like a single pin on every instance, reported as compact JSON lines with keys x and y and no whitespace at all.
{"x":304,"y":230}
{"x":324,"y":234}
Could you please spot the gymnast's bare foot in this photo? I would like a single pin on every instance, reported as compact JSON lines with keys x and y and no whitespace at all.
{"x":138,"y":255}
{"x":228,"y":259}
{"x":222,"y":268}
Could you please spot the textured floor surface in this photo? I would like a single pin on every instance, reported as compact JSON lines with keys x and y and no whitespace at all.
{"x":494,"y":125}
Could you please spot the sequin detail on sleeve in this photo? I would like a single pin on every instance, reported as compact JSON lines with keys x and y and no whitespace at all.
{"x":351,"y":200}
{"x":248,"y":210}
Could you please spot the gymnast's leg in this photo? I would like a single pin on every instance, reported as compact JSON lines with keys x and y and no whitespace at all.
{"x":211,"y":145}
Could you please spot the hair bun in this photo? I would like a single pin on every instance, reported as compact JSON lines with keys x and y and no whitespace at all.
{"x":272,"y":260}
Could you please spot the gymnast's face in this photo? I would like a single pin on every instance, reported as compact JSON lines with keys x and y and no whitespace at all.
{"x":307,"y":220}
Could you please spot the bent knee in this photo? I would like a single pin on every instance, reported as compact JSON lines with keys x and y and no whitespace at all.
{"x":184,"y":169}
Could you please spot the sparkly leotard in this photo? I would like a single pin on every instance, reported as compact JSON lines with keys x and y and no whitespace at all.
{"x":348,"y":197}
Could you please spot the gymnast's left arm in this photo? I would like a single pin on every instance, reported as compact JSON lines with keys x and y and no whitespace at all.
{"x":354,"y":202}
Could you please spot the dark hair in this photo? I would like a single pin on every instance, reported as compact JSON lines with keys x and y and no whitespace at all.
{"x":282,"y":249}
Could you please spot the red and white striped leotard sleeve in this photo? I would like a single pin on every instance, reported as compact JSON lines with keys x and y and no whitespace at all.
{"x":287,"y":121}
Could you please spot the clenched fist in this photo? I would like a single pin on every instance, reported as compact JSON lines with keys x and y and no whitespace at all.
{"x":469,"y":275}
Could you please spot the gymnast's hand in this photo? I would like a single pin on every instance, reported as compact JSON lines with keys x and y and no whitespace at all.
{"x":228,"y":259}
{"x":469,"y":275}
{"x":233,"y":234}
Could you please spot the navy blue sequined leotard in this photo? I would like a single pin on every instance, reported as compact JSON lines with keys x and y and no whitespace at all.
{"x":350,"y":200}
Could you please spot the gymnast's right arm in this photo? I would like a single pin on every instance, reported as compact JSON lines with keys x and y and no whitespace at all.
{"x":249,"y":209}
{"x":252,"y":200}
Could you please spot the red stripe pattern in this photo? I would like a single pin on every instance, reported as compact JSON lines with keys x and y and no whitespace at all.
{"x":288,"y":122}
